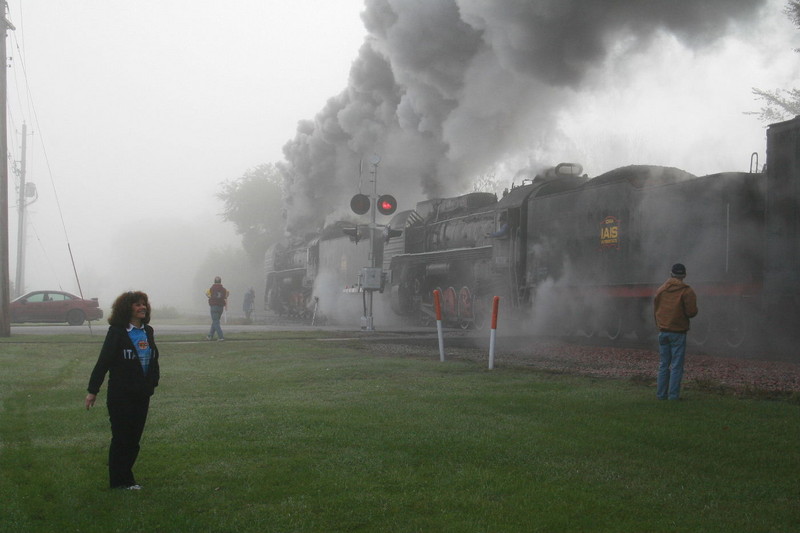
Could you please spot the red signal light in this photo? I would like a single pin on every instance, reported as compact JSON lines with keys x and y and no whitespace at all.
{"x":387,"y":204}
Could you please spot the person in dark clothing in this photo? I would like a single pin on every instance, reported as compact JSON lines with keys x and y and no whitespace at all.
{"x":130,"y":358}
{"x":674,"y":304}
{"x":217,"y":302}
{"x":249,"y":303}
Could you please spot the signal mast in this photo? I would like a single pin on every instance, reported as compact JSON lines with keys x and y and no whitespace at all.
{"x":372,"y":277}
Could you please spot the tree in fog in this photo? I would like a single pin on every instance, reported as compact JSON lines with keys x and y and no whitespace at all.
{"x":253,"y":203}
{"x":780,"y":104}
{"x":487,"y":182}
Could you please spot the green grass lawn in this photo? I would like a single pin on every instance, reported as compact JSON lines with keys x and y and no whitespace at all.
{"x":288,"y":433}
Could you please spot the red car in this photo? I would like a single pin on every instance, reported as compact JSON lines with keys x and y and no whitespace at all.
{"x":54,"y":306}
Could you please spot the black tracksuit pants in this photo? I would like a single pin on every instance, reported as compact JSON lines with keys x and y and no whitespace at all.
{"x":128,"y":415}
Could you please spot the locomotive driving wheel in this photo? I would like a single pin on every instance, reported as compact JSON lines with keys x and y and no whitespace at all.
{"x":586,"y":326}
{"x":701,"y":331}
{"x":465,"y":309}
{"x":426,"y":319}
{"x":733,"y":328}
{"x":613,"y":327}
{"x":449,"y":302}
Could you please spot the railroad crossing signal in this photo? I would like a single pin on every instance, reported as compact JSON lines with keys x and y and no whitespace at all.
{"x":360,"y":204}
{"x":387,"y":204}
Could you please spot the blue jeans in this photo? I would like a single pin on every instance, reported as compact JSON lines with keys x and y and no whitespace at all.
{"x":216,"y":314}
{"x":672,"y":349}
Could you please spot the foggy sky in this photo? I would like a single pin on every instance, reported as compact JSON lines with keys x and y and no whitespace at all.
{"x":143,"y":109}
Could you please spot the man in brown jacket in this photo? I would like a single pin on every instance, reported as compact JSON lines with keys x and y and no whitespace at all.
{"x":674,"y":304}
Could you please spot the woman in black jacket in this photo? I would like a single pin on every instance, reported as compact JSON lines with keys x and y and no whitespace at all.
{"x":130,"y":357}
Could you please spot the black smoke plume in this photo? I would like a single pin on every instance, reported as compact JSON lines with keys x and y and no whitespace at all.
{"x":444,"y":89}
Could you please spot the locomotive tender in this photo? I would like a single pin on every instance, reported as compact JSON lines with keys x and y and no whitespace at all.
{"x":567,"y":253}
{"x":322,"y":264}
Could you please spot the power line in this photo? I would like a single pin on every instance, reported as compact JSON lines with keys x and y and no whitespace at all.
{"x":32,"y":109}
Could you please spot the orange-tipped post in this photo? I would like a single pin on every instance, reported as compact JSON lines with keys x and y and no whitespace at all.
{"x":493,"y":331}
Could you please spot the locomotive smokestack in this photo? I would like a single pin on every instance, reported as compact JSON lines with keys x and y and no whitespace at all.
{"x":444,"y":89}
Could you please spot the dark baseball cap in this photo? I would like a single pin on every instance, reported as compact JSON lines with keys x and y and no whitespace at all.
{"x":678,"y":270}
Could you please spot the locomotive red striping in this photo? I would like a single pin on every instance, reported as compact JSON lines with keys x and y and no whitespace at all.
{"x":716,"y":289}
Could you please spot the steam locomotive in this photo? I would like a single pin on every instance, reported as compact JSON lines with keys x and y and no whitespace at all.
{"x":571,"y":254}
{"x":320,"y":266}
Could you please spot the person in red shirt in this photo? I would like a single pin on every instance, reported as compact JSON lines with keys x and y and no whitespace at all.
{"x":217,"y":302}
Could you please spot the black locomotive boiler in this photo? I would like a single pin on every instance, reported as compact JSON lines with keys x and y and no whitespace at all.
{"x":571,"y":254}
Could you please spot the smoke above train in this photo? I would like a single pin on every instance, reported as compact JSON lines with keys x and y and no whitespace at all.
{"x":443,"y":90}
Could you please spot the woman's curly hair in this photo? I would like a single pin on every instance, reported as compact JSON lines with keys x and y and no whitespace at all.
{"x":122,"y":308}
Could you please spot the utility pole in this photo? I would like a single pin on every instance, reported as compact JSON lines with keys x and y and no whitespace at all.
{"x":19,"y":284}
{"x":5,"y":276}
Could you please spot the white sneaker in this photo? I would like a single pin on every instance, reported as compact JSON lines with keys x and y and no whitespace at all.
{"x":220,"y":340}
{"x":134,"y":487}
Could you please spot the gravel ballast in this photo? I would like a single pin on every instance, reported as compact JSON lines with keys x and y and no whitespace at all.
{"x":737,"y":375}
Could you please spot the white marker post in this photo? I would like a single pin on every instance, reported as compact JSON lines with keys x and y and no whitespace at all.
{"x":437,"y":306}
{"x":493,"y":332}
